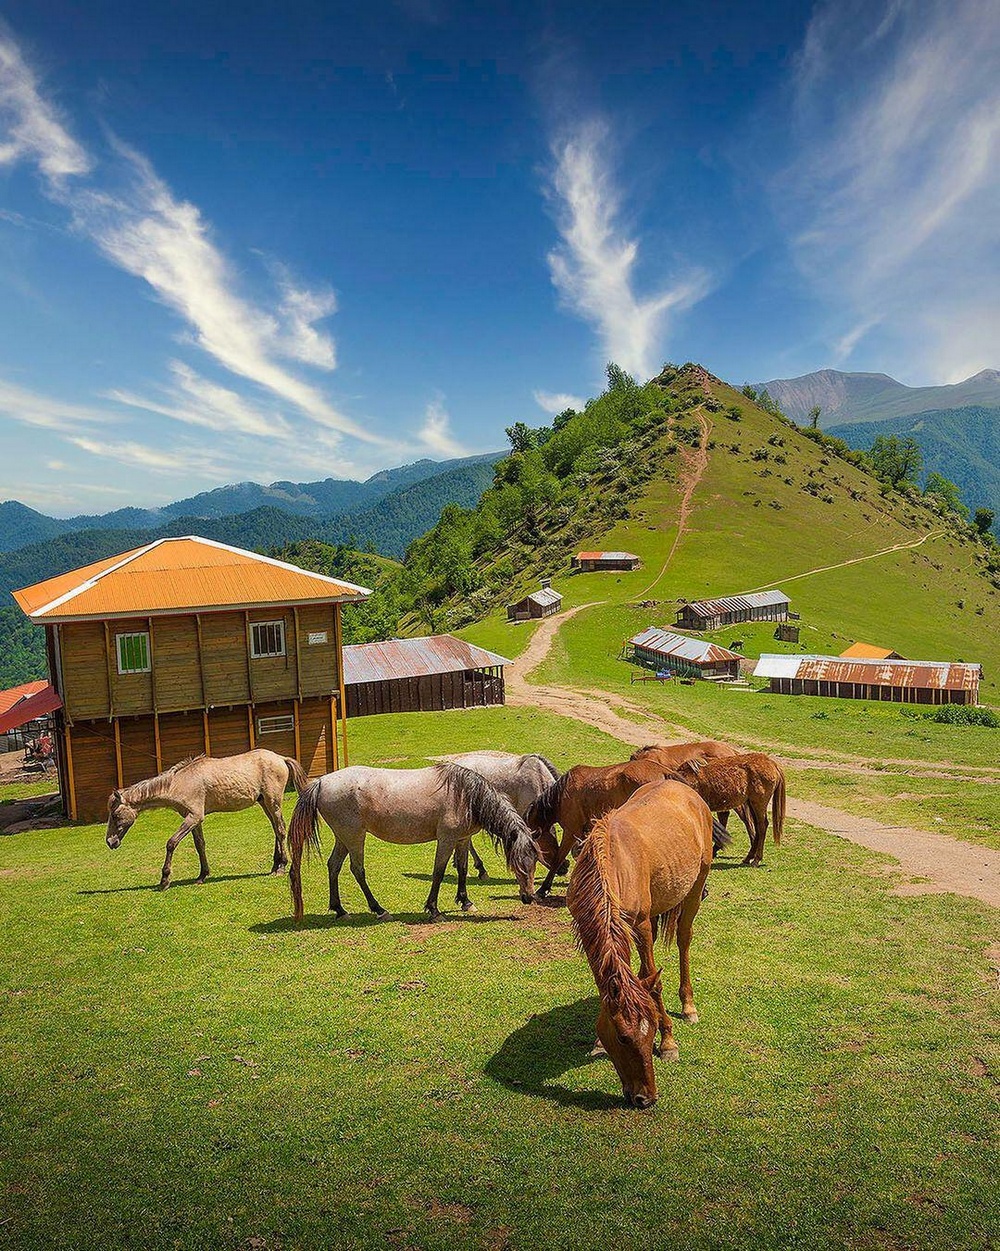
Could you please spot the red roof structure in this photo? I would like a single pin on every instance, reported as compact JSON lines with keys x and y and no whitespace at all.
{"x":25,"y":703}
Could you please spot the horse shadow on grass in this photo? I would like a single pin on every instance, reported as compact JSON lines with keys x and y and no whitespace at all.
{"x":174,"y":883}
{"x":365,"y":920}
{"x":548,"y":1045}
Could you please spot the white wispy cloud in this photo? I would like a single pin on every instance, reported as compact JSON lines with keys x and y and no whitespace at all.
{"x":892,"y":201}
{"x":31,"y":408}
{"x":435,"y":433}
{"x":129,"y":454}
{"x":558,"y":401}
{"x":593,"y":269}
{"x":29,"y":125}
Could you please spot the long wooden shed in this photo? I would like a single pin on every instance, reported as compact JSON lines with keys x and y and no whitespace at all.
{"x":713,"y":614}
{"x":186,"y":646}
{"x":421,"y":675}
{"x":661,"y":649}
{"x":899,"y":681}
{"x":592,"y":562}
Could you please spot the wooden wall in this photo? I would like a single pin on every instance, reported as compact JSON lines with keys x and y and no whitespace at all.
{"x":434,"y":692}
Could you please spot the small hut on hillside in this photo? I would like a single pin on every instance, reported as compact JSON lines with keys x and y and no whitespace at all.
{"x":592,"y":562}
{"x":421,"y":675}
{"x":900,"y":681}
{"x":660,"y":649}
{"x":868,"y":651}
{"x":541,"y":603}
{"x":713,"y":614}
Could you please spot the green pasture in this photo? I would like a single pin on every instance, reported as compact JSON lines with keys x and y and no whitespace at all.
{"x":189,"y":1069}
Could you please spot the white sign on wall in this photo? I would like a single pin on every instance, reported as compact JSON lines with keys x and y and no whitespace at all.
{"x":318,"y":636}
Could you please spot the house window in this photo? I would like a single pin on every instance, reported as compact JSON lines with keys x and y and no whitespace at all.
{"x":267,"y":638}
{"x":275,"y":725}
{"x":133,"y":652}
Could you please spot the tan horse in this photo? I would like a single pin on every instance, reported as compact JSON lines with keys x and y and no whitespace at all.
{"x":207,"y":784}
{"x":672,"y":755}
{"x":576,"y":800}
{"x":747,"y":784}
{"x":645,"y":863}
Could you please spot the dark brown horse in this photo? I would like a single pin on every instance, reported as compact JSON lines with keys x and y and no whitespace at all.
{"x":576,"y":800}
{"x":746,"y":784}
{"x":644,"y":864}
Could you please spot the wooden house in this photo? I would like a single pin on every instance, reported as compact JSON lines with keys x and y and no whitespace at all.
{"x":421,"y":675}
{"x":662,"y":650}
{"x":900,"y":681}
{"x":186,"y":646}
{"x":868,"y":651}
{"x":592,"y":562}
{"x":541,"y":603}
{"x":713,"y":614}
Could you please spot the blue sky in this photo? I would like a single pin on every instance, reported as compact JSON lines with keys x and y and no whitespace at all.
{"x":315,"y":239}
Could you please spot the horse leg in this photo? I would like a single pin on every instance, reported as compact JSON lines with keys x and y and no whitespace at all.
{"x":188,"y":825}
{"x":567,"y":841}
{"x":476,"y":860}
{"x":645,"y":935}
{"x":756,"y":853}
{"x":358,"y":869}
{"x":272,"y":810}
{"x":198,"y":834}
{"x":333,"y":867}
{"x":685,"y":927}
{"x":746,"y":815}
{"x":462,"y":868}
{"x":441,"y":857}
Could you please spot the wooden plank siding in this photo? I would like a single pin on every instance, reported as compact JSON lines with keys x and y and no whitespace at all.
{"x":84,"y":669}
{"x":224,"y":658}
{"x":471,"y":688}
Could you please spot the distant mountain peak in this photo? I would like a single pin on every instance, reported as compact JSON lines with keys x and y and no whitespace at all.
{"x":844,"y":397}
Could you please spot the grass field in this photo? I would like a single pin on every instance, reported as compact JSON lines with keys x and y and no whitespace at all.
{"x":188,"y":1069}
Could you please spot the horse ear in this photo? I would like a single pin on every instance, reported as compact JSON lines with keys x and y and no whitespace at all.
{"x":116,"y":799}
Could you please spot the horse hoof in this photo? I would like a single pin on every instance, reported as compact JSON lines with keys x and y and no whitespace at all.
{"x":338,"y":913}
{"x":670,"y":1053}
{"x":282,"y":868}
{"x":598,"y":1049}
{"x":163,"y":886}
{"x":200,"y":881}
{"x":468,"y":906}
{"x":382,"y":916}
{"x":690,"y":1017}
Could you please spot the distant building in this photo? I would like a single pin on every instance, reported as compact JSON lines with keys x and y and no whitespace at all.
{"x":900,"y":681}
{"x":25,"y":712}
{"x":591,"y":562}
{"x":660,"y":649}
{"x":541,"y":603}
{"x":713,"y":614}
{"x":186,"y":646}
{"x":868,"y":651}
{"x":421,"y":675}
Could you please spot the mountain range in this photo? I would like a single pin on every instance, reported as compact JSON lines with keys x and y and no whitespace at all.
{"x":845,"y":398}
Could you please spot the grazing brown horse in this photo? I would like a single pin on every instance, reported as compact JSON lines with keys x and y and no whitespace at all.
{"x":206,"y":784}
{"x":645,"y":863}
{"x":745,"y":783}
{"x":672,"y":755}
{"x":576,"y":800}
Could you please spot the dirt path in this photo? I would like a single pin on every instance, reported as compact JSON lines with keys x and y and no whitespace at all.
{"x":857,"y":560}
{"x":694,"y":470}
{"x":944,"y":865}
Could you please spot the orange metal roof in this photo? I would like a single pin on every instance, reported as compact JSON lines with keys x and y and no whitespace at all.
{"x":16,"y":693}
{"x":179,"y":575}
{"x":867,"y":651}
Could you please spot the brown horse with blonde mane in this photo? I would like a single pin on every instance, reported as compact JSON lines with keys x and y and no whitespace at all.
{"x":575,"y":801}
{"x":641,"y":865}
{"x":747,"y":784}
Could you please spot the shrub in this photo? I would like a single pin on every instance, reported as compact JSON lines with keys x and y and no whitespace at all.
{"x":964,"y":714}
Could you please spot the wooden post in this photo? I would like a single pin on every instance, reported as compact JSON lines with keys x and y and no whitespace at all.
{"x":246,"y":617}
{"x":208,"y":737}
{"x":298,"y":660}
{"x":118,"y":752}
{"x":295,"y":718}
{"x":107,"y":665}
{"x":339,"y":634}
{"x":156,"y":739}
{"x":334,"y":754}
{"x":152,"y":665}
{"x":201,"y":674}
{"x":253,"y":742}
{"x":69,"y":771}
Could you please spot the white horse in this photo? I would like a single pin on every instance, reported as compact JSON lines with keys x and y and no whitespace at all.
{"x":445,"y":804}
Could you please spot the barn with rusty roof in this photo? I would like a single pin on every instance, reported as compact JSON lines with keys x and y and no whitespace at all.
{"x":186,"y":646}
{"x":593,"y":562}
{"x":662,"y":650}
{"x":713,"y":614}
{"x":901,"y":681}
{"x":421,"y":675}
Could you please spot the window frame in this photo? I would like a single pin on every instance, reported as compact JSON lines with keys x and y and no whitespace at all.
{"x":268,"y":725}
{"x":121,"y":640}
{"x":279,"y":625}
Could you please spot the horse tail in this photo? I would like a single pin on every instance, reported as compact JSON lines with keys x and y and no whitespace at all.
{"x":544,"y":812}
{"x":778,"y":807}
{"x":720,"y":835}
{"x":303,"y":831}
{"x":546,"y":764}
{"x":492,"y":811}
{"x":296,"y":774}
{"x":670,"y":920}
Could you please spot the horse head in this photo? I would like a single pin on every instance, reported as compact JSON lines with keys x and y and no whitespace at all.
{"x":627,"y":1031}
{"x":121,"y":818}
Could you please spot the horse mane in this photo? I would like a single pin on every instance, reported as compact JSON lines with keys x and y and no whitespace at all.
{"x":545,"y":763}
{"x":600,"y":930}
{"x":151,"y":788}
{"x":484,"y":806}
{"x":545,"y":809}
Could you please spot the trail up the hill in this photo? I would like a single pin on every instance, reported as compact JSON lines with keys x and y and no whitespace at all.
{"x":856,"y":560}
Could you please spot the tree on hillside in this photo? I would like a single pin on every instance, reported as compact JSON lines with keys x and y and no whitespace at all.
{"x":814,"y":413}
{"x":521,"y":437}
{"x":941,"y":489}
{"x":983,"y":519}
{"x":896,"y":461}
{"x":618,"y":379}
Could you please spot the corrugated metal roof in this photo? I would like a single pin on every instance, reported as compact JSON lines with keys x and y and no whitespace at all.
{"x":37,"y":701}
{"x":545,"y":597}
{"x":606,"y":556}
{"x":737,"y":603}
{"x":15,"y":694}
{"x":414,"y":658}
{"x":178,"y":575}
{"x":679,"y":646}
{"x":924,"y":674}
{"x":867,"y":651}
